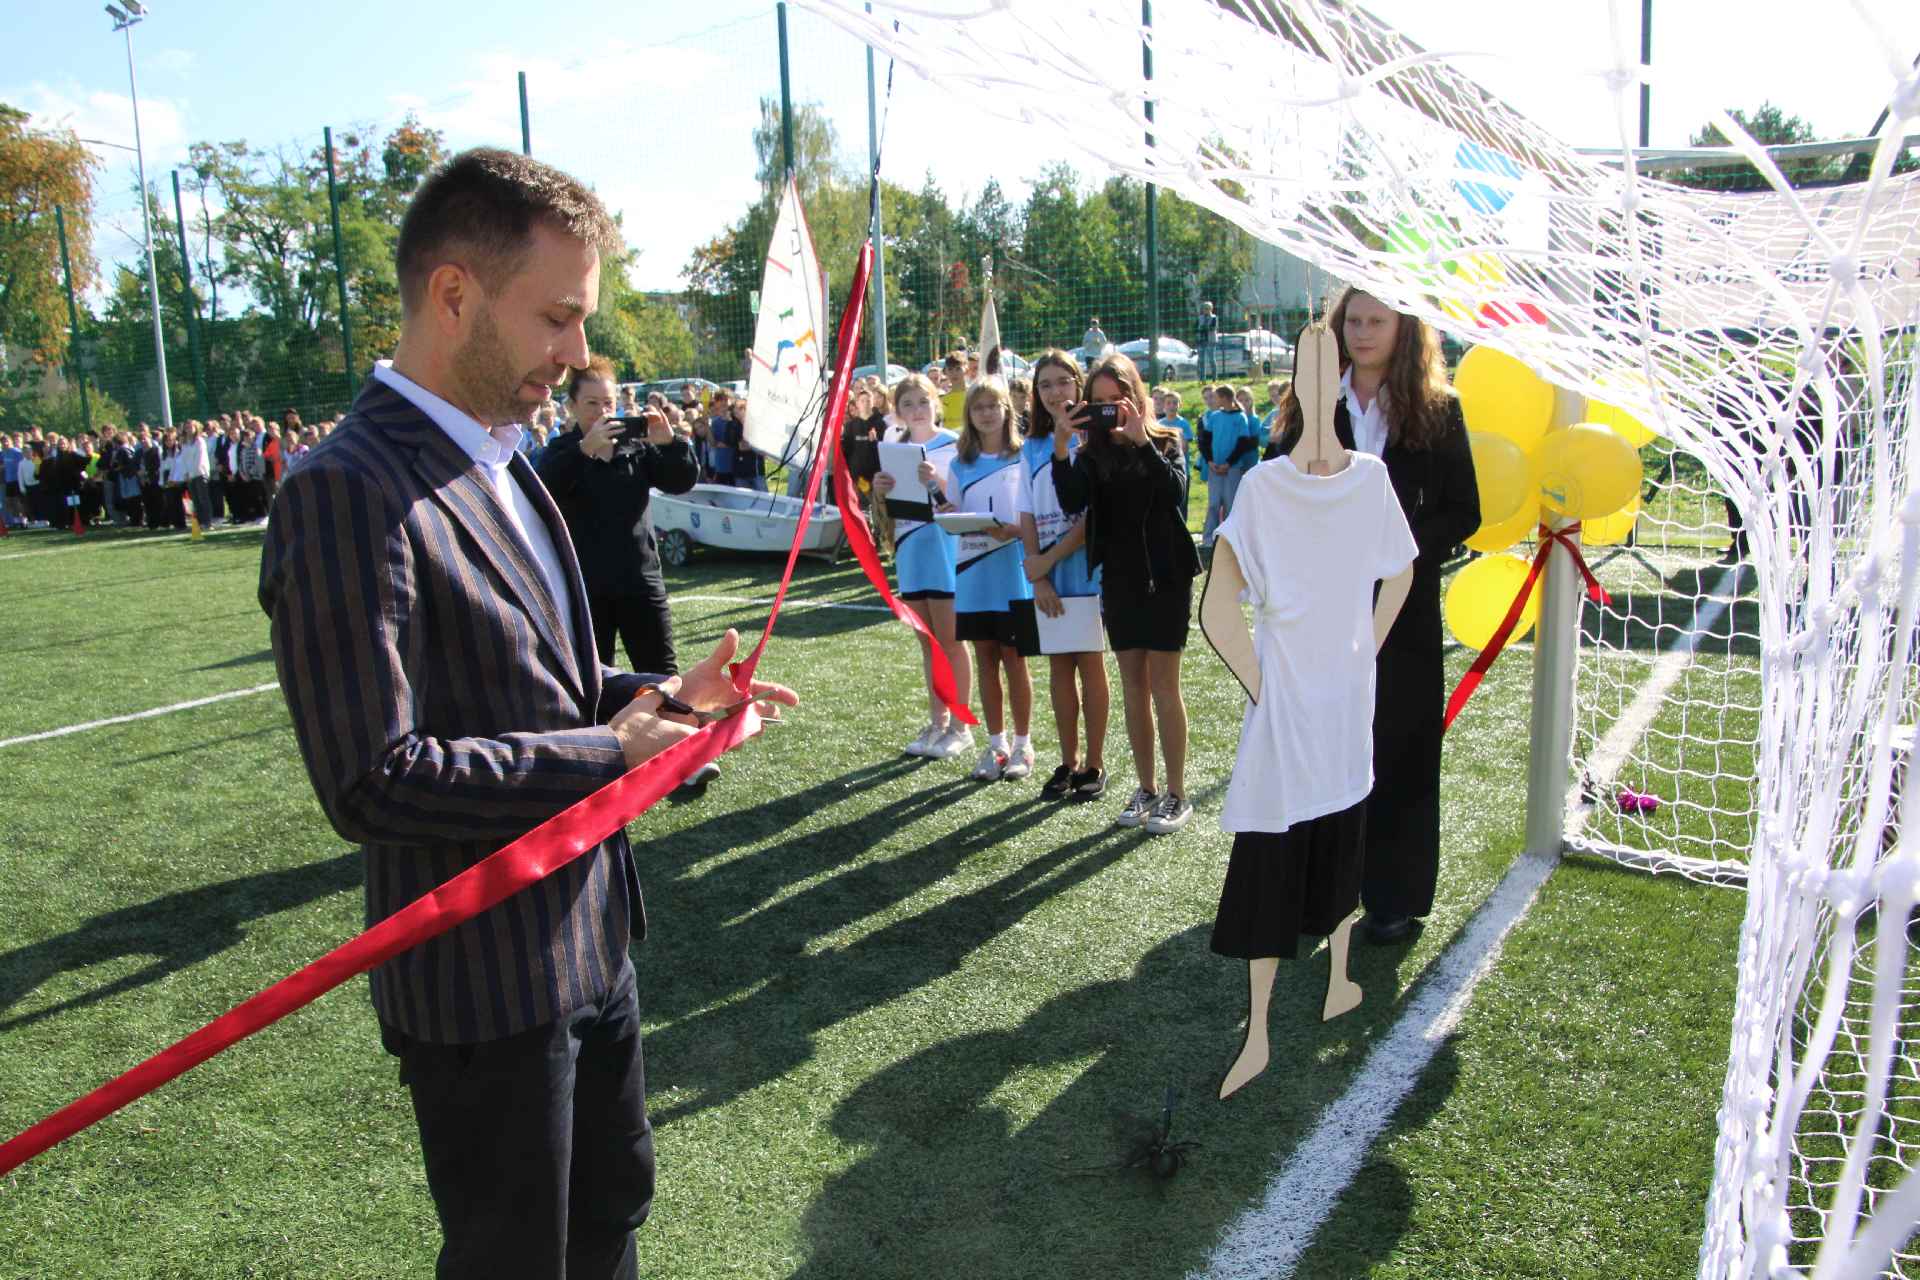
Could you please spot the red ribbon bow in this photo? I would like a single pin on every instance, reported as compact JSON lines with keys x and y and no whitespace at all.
{"x":1549,"y":538}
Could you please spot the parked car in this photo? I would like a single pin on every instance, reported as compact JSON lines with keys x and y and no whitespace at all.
{"x":670,"y":388}
{"x":1177,"y":359}
{"x":1257,"y":351}
{"x":894,"y":372}
{"x":1086,"y":356}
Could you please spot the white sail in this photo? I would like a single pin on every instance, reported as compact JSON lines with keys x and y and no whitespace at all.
{"x":787,"y":383}
{"x":989,"y":322}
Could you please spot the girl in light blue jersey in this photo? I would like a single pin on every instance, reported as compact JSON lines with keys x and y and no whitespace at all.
{"x":923,"y":564}
{"x":993,"y":601}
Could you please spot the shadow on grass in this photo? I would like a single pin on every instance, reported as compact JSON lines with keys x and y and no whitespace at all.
{"x":244,"y":660}
{"x":958,"y":1179}
{"x":69,"y":642}
{"x":176,"y":930}
{"x":195,"y":748}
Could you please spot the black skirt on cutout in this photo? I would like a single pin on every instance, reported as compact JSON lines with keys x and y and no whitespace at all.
{"x":1304,"y":880}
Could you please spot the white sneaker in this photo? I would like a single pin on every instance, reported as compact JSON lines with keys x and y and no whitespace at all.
{"x":1170,"y":813}
{"x":957,"y":741}
{"x":923,"y":745}
{"x":1138,"y":809}
{"x":992,"y":762}
{"x":1019,"y":763}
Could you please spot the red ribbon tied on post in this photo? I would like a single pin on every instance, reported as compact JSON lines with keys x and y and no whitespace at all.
{"x":1549,"y":538}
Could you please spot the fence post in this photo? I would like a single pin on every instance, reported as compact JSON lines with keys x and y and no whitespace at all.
{"x":1153,"y":216}
{"x":1556,"y":661}
{"x":192,"y":308}
{"x":340,"y":270}
{"x":73,"y":320}
{"x":875,"y":230}
{"x":526,"y":128}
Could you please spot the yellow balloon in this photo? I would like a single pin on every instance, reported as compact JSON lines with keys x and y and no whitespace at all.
{"x":1482,"y":593}
{"x":1610,"y":531}
{"x":1624,"y":424}
{"x":1498,"y":537}
{"x":1498,"y":394}
{"x":1587,"y":470}
{"x":1503,"y":474}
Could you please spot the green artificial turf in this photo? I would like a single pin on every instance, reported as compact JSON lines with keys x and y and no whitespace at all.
{"x":898,"y":1023}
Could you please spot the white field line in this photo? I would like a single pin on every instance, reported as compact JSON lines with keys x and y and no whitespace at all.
{"x":1603,"y":765}
{"x":119,"y":543}
{"x":150,"y":712}
{"x":1269,"y":1239}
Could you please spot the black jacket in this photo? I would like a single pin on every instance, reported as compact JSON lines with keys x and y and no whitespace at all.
{"x":605,"y":506}
{"x":1136,"y":505}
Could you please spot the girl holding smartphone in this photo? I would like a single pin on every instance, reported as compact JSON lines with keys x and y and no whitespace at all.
{"x":1131,"y":482}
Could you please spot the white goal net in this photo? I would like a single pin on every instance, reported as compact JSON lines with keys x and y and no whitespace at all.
{"x":1768,"y":339}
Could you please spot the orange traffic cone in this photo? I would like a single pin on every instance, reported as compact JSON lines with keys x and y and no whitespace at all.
{"x":79,"y":525}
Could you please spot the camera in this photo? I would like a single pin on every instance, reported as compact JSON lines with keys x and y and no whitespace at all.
{"x":1102,"y":417}
{"x":629,"y":432}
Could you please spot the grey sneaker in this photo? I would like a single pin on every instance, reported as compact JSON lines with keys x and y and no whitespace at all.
{"x":1018,"y":764}
{"x":1138,"y":809}
{"x":923,"y":745}
{"x":992,"y":761}
{"x":1170,"y":813}
{"x":957,"y":741}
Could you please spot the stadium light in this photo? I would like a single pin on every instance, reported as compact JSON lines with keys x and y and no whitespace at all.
{"x":123,"y":21}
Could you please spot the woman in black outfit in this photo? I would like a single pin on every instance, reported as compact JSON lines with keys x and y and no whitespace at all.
{"x":1391,"y":362}
{"x":1131,"y":480}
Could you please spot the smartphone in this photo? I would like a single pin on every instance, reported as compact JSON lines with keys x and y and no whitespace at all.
{"x":1102,"y":417}
{"x":629,"y":429}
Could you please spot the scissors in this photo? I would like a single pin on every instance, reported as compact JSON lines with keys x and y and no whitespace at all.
{"x":680,"y":707}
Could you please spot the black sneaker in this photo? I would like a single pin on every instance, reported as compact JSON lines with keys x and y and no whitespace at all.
{"x":1059,"y":784}
{"x":1089,"y":784}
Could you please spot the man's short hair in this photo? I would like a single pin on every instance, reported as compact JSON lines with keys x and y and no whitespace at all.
{"x":599,"y":369}
{"x":956,"y":360}
{"x":479,"y":210}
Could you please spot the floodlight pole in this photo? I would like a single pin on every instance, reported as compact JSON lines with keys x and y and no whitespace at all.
{"x":73,"y":319}
{"x":786,"y":98}
{"x":526,"y":129}
{"x":340,"y":265}
{"x":192,"y":308}
{"x":1556,"y":658}
{"x":124,"y":23}
{"x":1646,"y":60}
{"x":1153,"y":213}
{"x":875,"y":231}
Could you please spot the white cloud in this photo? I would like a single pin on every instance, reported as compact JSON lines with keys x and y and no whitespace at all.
{"x":108,"y":116}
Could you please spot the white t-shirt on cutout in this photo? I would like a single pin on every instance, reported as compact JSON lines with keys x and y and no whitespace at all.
{"x":1311,"y":548}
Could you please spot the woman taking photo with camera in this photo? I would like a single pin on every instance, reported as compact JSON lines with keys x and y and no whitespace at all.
{"x":1131,"y":481}
{"x":1395,"y":404}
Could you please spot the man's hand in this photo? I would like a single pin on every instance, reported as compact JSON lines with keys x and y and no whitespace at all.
{"x":645,"y":732}
{"x":706,"y":685}
{"x":597,"y":443}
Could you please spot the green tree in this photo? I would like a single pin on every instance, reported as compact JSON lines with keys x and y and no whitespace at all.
{"x":41,"y":169}
{"x":1771,"y":126}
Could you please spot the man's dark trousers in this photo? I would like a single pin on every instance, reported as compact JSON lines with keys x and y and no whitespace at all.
{"x":522,"y":1189}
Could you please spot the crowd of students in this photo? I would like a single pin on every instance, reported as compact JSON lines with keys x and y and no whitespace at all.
{"x":222,"y":470}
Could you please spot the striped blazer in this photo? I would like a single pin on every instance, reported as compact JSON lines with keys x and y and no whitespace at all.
{"x":441,"y":713}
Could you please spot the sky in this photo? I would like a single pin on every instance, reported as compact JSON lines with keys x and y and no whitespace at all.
{"x":653,"y":101}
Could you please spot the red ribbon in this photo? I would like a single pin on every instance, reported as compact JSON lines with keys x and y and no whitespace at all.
{"x":854,"y":520}
{"x":524,"y":862}
{"x":1549,"y":538}
{"x":489,"y":882}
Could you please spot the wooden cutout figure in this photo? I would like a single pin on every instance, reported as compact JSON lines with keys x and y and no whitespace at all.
{"x":1318,"y":452}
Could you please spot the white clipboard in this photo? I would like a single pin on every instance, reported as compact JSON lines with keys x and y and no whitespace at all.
{"x":1076,"y":630}
{"x":902,"y":462}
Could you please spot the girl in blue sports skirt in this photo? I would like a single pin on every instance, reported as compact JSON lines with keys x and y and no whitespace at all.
{"x":923,"y":563}
{"x":993,"y":604}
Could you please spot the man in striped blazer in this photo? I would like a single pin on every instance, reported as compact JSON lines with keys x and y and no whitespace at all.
{"x":431,"y":632}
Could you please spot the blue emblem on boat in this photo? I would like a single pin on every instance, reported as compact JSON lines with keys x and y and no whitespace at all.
{"x":695,"y":517}
{"x":726,"y":524}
